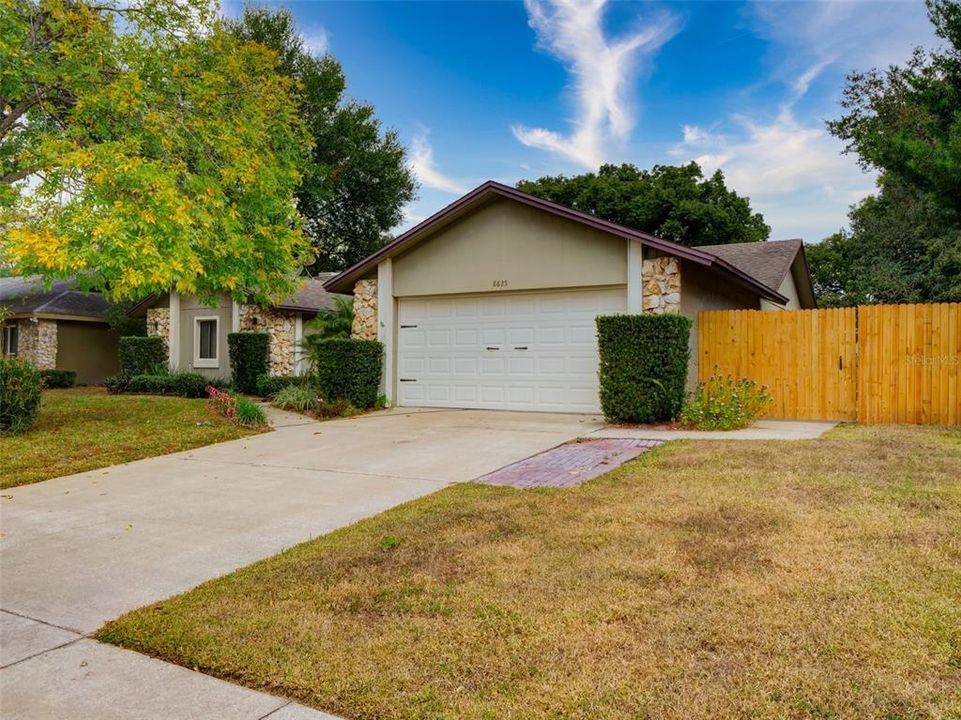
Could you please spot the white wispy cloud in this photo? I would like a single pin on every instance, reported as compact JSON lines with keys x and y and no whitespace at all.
{"x":426,"y":170}
{"x":316,"y":39}
{"x":848,"y":33}
{"x":793,"y":171}
{"x":601,"y":71}
{"x":790,"y":166}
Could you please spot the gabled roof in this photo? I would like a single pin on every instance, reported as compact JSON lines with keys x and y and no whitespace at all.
{"x":311,"y":296}
{"x":27,"y":296}
{"x":344,"y":282}
{"x":769,"y":262}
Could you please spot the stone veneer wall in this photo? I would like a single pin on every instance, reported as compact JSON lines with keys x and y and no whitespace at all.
{"x":661,"y":281}
{"x":365,"y":310}
{"x":37,"y":342}
{"x":158,"y":323}
{"x":281,"y":326}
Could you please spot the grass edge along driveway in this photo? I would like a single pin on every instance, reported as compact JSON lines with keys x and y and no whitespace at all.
{"x":84,"y":429}
{"x":815,"y":579}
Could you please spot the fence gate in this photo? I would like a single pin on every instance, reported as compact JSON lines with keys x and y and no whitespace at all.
{"x":910,"y":364}
{"x":875,"y":364}
{"x":807,"y":358}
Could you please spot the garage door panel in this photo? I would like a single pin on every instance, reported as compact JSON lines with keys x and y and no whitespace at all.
{"x":522,"y":366}
{"x":545,"y":356}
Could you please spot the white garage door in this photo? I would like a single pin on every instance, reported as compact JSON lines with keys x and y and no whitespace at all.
{"x":531,"y":351}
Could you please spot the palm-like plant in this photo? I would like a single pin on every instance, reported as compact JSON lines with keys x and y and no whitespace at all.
{"x":336,"y":321}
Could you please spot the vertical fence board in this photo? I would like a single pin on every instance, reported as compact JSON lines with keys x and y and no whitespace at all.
{"x":875,"y":363}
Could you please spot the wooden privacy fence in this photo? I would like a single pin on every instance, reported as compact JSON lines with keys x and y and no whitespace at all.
{"x":873,"y":364}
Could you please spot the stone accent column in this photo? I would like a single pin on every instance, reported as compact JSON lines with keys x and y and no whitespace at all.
{"x":662,"y":285}
{"x":37,"y":342}
{"x":365,"y":310}
{"x":158,"y":324}
{"x":281,"y":327}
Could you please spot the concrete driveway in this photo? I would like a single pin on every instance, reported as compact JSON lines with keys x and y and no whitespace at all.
{"x":80,"y":550}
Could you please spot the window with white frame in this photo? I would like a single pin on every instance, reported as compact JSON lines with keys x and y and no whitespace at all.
{"x":206,"y":342}
{"x":11,"y":339}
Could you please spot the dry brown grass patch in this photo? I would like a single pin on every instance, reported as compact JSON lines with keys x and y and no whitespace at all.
{"x":768,"y":580}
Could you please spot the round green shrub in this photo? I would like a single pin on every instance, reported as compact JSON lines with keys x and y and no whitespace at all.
{"x":20,"y":386}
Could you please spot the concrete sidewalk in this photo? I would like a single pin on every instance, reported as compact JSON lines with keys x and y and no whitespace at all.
{"x":81,"y":550}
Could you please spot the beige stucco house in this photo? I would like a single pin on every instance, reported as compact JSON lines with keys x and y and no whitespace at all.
{"x":490,"y":303}
{"x":59,"y":327}
{"x":196,"y":332}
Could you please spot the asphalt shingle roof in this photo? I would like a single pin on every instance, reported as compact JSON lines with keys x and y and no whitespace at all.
{"x":769,"y":262}
{"x":311,"y":296}
{"x":23,"y":295}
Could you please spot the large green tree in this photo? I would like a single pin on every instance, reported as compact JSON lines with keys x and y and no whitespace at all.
{"x":143,"y":147}
{"x":904,"y":244}
{"x":900,"y":248}
{"x":906,"y":120}
{"x":357,"y":181}
{"x":674,"y":202}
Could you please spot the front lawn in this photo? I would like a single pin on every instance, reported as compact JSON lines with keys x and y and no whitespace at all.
{"x":85,"y":429}
{"x":816,"y":579}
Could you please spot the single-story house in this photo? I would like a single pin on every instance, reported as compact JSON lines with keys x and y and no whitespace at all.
{"x":58,"y":328}
{"x":490,"y":303}
{"x":196,"y":333}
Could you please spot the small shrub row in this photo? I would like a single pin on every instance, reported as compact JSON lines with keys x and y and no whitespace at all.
{"x":241,"y":410}
{"x":269,"y":385}
{"x":723,"y":403}
{"x":303,"y":398}
{"x":58,"y":378}
{"x":643,"y":366}
{"x":142,"y":355}
{"x":185,"y":384}
{"x":20,"y":386}
{"x":346,"y":368}
{"x":248,"y":359}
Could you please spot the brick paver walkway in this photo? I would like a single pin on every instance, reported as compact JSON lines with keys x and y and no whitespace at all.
{"x":569,"y":464}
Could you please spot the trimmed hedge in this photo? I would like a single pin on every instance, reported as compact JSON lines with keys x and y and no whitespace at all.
{"x":142,"y":355}
{"x":270,"y":385}
{"x":643,"y":366}
{"x":186,"y":384}
{"x":347,"y":368}
{"x":20,"y":386}
{"x":58,"y":378}
{"x":248,"y":359}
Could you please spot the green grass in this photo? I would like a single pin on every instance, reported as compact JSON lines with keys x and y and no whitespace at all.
{"x":85,"y":429}
{"x":817,"y":579}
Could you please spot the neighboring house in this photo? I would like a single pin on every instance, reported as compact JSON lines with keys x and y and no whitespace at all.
{"x":490,"y":303}
{"x":62,"y":328}
{"x":196,"y":333}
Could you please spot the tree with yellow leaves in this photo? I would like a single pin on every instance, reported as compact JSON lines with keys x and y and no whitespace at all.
{"x":143,"y":148}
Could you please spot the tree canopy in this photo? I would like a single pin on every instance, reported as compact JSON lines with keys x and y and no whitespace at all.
{"x":901,"y":248}
{"x":356,"y":182}
{"x":144,"y":147}
{"x":904,"y":244}
{"x":674,"y":202}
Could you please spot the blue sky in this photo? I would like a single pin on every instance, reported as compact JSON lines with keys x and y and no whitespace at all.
{"x":511,"y":90}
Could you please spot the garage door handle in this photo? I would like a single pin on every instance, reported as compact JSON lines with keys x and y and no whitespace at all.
{"x":520,"y":347}
{"x":492,"y":348}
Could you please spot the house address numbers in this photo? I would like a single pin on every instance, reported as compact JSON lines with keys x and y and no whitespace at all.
{"x":500,"y":283}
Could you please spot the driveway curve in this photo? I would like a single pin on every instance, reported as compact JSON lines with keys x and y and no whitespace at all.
{"x":80,"y":550}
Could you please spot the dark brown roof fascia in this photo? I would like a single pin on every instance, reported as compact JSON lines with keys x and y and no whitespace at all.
{"x":348,"y":276}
